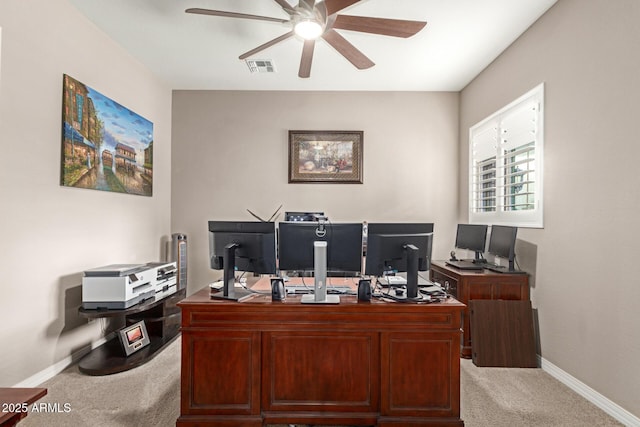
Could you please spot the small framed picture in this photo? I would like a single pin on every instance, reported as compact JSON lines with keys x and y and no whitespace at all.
{"x":134,"y":337}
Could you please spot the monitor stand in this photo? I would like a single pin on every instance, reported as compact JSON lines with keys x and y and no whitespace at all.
{"x":229,"y":290}
{"x":504,"y":269}
{"x":320,"y":278}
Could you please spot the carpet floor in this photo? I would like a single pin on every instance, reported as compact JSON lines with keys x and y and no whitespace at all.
{"x":150,"y":396}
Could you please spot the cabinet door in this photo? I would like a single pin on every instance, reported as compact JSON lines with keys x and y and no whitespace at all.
{"x":221,"y":373}
{"x":420,"y":374}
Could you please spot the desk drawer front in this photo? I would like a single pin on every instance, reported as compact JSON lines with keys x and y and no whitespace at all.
{"x":284,"y":318}
{"x":446,"y":281}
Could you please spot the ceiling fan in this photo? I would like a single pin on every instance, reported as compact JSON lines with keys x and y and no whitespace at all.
{"x":312,"y":19}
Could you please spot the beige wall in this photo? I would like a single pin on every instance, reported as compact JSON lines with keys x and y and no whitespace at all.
{"x":230,"y":154}
{"x":584,"y":260}
{"x":51,"y":233}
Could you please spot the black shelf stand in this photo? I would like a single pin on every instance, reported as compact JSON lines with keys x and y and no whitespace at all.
{"x":162,"y":320}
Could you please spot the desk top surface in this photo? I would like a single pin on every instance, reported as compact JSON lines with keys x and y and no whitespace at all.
{"x":442,"y":265}
{"x":263,"y":297}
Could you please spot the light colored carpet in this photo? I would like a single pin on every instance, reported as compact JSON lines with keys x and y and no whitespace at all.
{"x":150,"y":396}
{"x":508,"y":397}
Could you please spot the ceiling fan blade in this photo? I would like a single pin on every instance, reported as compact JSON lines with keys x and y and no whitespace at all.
{"x":347,"y":50}
{"x":383,"y":26}
{"x":286,"y":6}
{"x":307,"y":57}
{"x":266,"y":45}
{"x":234,"y":15}
{"x":334,"y":6}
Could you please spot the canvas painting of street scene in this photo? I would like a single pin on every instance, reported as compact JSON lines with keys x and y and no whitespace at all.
{"x":105,"y":146}
{"x":325,"y":156}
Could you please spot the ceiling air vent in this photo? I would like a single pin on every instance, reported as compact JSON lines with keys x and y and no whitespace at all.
{"x":261,"y":65}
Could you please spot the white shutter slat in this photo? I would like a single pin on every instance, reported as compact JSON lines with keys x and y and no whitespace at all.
{"x":505,"y":163}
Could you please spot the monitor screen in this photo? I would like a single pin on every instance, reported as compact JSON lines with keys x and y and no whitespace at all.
{"x":472,"y":237}
{"x":344,"y":245}
{"x":399,"y":247}
{"x":399,"y":228}
{"x":502,"y":241}
{"x":388,"y":252}
{"x":255,"y":245}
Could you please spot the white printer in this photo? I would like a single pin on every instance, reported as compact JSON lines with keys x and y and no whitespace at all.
{"x":119,"y":286}
{"x":166,"y":282}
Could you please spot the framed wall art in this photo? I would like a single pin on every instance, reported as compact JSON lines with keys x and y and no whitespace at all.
{"x":105,"y":146}
{"x":325,"y":156}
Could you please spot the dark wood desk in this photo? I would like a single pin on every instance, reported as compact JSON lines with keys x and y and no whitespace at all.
{"x":467,"y":285}
{"x":260,"y":362}
{"x":16,"y":403}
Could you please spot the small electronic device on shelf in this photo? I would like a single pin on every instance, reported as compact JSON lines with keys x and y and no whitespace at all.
{"x":471,"y":237}
{"x":244,"y":246}
{"x":502,"y":243}
{"x":399,"y":247}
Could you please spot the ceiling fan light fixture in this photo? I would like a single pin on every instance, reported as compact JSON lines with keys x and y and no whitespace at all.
{"x":308,"y":29}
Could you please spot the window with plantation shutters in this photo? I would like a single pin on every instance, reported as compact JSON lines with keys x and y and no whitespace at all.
{"x":505,"y":164}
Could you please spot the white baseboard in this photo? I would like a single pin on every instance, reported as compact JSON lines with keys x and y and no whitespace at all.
{"x":56,"y":368}
{"x":611,"y":408}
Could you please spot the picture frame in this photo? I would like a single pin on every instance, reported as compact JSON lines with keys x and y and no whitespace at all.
{"x":134,"y":338}
{"x":105,"y":145}
{"x":333,"y":156}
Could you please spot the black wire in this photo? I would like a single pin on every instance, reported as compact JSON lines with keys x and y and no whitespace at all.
{"x":311,"y":290}
{"x":244,"y":286}
{"x":418,"y":300}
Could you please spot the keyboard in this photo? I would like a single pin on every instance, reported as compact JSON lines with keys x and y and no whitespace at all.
{"x":503,"y":269}
{"x":466,"y":265}
{"x":392,"y":281}
{"x":399,"y":281}
{"x":331,"y":289}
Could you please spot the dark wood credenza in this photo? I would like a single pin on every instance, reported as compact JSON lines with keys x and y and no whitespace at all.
{"x":260,"y":362}
{"x":16,"y":403}
{"x":162,"y":321}
{"x":467,"y":285}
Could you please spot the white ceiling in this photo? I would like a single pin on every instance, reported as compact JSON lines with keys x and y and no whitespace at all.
{"x":192,"y":51}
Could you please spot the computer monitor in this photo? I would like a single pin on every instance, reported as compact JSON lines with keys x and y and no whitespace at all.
{"x":502,"y":243}
{"x":241,"y":245}
{"x":344,"y":246}
{"x":399,"y":247}
{"x":472,"y":237}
